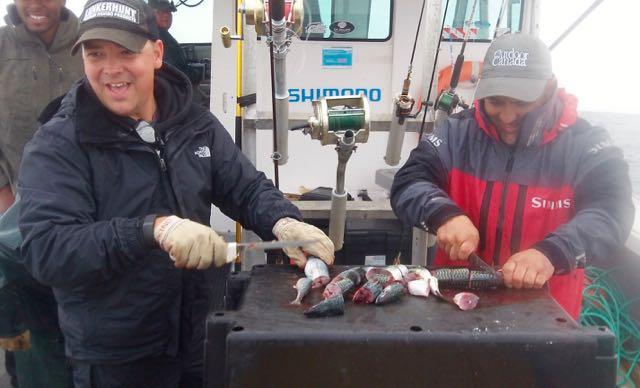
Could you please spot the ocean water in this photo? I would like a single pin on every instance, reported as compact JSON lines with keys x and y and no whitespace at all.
{"x":625,"y":131}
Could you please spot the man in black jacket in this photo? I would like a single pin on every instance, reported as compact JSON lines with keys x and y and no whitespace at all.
{"x":117,"y":190}
{"x":173,"y":53}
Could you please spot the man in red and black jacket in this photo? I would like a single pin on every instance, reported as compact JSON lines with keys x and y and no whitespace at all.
{"x":520,"y":179}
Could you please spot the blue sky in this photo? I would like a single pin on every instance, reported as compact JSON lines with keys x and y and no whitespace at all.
{"x":598,"y":62}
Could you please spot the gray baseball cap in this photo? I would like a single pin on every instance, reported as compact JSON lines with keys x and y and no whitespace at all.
{"x":129,"y":23}
{"x":516,"y":66}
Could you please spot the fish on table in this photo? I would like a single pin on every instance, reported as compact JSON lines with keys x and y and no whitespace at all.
{"x":384,"y":285}
{"x":317,"y":270}
{"x":303,"y":286}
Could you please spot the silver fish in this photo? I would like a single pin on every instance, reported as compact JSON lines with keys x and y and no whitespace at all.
{"x":342,"y":286}
{"x":303,"y":285}
{"x":463,"y":278}
{"x":391,"y":293}
{"x":316,"y":270}
{"x":371,"y":289}
{"x":397,"y":272}
{"x":326,"y":308}
{"x":357,"y":275}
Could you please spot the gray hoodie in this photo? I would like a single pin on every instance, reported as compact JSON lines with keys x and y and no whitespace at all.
{"x":30,"y":76}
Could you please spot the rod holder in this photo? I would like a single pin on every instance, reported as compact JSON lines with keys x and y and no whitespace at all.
{"x":225,"y":35}
{"x":337,"y":218}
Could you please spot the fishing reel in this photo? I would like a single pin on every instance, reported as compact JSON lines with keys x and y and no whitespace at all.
{"x":448,"y":101}
{"x":256,"y":13}
{"x":340,"y":119}
{"x":343,"y":121}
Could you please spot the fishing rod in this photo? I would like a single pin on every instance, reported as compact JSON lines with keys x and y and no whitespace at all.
{"x":186,"y":3}
{"x":433,"y":74}
{"x":575,"y":24}
{"x":407,"y":81}
{"x":449,"y":100}
{"x":276,"y":155}
{"x":503,"y":7}
{"x":404,"y":104}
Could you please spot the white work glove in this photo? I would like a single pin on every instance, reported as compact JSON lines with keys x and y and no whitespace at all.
{"x":190,"y":244}
{"x":287,"y":229}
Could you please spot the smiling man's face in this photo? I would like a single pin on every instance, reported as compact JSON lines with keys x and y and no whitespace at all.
{"x":41,"y":17}
{"x":123,"y":80}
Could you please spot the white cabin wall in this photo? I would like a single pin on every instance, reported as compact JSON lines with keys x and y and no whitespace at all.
{"x":223,"y":72}
{"x":223,"y":88}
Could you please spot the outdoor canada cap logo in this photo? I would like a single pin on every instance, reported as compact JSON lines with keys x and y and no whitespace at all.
{"x":129,"y":23}
{"x":516,"y":66}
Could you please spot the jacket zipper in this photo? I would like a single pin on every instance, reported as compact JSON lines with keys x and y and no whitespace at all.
{"x":166,"y":178}
{"x":503,"y":200}
{"x":516,"y":233}
{"x":484,"y":213}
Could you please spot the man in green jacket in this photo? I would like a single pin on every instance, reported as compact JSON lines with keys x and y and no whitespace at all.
{"x":173,"y":53}
{"x":35,"y":67}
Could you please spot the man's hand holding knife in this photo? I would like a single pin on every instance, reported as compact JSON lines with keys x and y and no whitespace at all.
{"x":459,"y":238}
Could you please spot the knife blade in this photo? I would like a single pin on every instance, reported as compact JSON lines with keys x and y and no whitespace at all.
{"x":233,"y":249}
{"x":275,"y":244}
{"x":477,"y":262}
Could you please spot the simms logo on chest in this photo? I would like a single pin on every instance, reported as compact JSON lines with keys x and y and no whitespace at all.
{"x":308,"y":94}
{"x":541,"y":203}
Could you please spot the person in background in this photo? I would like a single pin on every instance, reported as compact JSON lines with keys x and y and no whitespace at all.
{"x":122,"y":209}
{"x":520,"y":179}
{"x":35,"y":67}
{"x":173,"y":53}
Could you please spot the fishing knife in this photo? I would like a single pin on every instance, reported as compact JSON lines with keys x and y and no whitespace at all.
{"x":477,"y":262}
{"x":233,"y":249}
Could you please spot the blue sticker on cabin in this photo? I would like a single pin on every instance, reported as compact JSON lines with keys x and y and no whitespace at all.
{"x":337,"y":57}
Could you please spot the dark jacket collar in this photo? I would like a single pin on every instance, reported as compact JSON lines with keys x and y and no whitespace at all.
{"x":542,"y":125}
{"x":96,"y":124}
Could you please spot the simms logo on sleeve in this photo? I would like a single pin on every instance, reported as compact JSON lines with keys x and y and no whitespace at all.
{"x":511,"y":57}
{"x":435,"y":140}
{"x":107,"y":9}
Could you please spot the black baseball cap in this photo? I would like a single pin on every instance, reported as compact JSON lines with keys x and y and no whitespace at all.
{"x":162,"y":5}
{"x":129,"y":23}
{"x":516,"y":66}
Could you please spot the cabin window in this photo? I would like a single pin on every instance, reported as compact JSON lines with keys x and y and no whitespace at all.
{"x":347,"y":20}
{"x":484,"y":20}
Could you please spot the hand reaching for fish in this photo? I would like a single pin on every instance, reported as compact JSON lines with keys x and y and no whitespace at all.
{"x":290,"y":229}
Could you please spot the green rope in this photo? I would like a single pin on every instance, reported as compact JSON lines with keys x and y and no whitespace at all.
{"x":604,"y":304}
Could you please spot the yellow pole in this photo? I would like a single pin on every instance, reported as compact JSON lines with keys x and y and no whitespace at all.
{"x":238,"y":107}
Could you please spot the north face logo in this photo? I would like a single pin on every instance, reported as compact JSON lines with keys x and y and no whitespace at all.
{"x":203,"y":152}
{"x":511,"y":57}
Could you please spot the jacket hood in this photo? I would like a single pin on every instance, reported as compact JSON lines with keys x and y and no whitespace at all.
{"x":96,"y":124}
{"x":66,"y":35}
{"x":540,"y":126}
